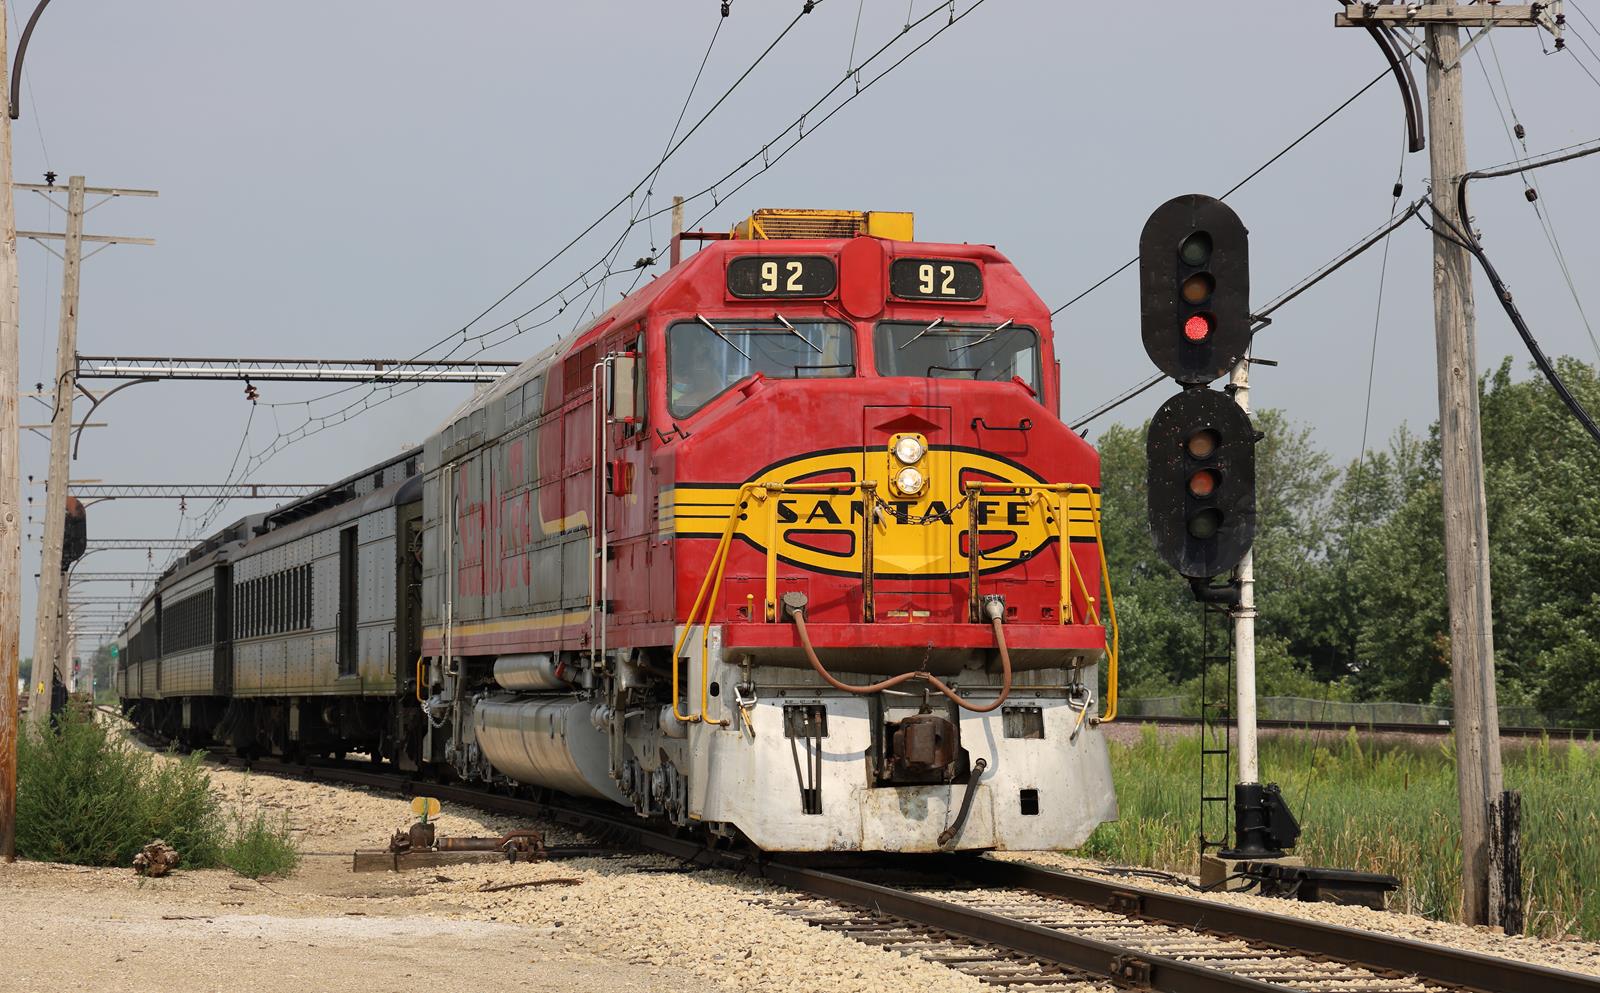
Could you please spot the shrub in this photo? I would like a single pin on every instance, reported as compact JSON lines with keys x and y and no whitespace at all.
{"x":87,"y":796}
{"x":260,"y":847}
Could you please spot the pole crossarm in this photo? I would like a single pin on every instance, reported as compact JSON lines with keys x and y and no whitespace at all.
{"x":193,"y":491}
{"x":164,"y":544}
{"x":114,"y":577}
{"x":291,"y":370}
{"x":108,"y":239}
{"x":109,"y":191}
{"x":1357,"y":15}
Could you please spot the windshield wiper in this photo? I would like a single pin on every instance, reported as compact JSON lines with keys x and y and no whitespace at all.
{"x":784,"y":321}
{"x":991,"y":334}
{"x":725,"y":339}
{"x":936,"y":322}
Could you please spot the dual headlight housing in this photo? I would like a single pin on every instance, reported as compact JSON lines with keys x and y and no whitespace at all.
{"x":907,"y":476}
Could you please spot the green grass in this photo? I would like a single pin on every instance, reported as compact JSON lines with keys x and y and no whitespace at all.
{"x":261,"y":846}
{"x":1380,"y":808}
{"x":86,"y":795}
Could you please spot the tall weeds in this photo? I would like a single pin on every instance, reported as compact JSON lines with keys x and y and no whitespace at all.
{"x":1387,"y":807}
{"x":87,"y":796}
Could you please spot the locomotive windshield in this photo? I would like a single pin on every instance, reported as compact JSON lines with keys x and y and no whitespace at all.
{"x":706,"y":356}
{"x":947,"y":351}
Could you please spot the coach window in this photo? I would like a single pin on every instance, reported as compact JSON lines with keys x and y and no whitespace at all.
{"x":938,"y":350}
{"x":707,"y":356}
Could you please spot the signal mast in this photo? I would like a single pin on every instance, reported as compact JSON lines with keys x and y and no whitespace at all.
{"x":1194,"y":303}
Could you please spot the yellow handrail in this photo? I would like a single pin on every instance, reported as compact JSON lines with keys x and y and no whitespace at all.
{"x":713,"y":579}
{"x":763,"y":492}
{"x":1069,"y":568}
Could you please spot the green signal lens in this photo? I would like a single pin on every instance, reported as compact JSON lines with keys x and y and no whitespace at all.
{"x":1196,"y":249}
{"x":1205,"y":524}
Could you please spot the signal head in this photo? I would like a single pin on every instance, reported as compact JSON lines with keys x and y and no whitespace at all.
{"x":1201,"y":482}
{"x":1194,"y":288}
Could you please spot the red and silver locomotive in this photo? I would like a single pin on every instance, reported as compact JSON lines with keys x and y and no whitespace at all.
{"x":789,"y":544}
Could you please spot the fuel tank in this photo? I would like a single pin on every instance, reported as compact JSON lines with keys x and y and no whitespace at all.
{"x":546,"y":741}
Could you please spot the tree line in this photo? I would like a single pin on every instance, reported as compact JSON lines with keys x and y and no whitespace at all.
{"x":1350,"y":561}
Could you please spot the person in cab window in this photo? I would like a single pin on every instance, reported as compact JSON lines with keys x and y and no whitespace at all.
{"x":695,"y":376}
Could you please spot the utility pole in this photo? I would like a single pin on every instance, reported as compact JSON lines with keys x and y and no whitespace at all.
{"x":10,"y":482}
{"x":677,"y":231}
{"x":52,"y":601}
{"x":1466,"y":513}
{"x":49,"y":632}
{"x":1484,"y":868}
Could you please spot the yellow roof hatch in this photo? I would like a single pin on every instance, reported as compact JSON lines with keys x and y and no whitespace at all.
{"x":782,"y":223}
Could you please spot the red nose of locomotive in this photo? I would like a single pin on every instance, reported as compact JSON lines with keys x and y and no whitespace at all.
{"x":896,"y":508}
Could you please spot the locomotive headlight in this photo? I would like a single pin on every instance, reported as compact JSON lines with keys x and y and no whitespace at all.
{"x":910,"y":481}
{"x":910,"y":450}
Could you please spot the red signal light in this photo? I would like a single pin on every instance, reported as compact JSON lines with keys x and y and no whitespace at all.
{"x":1197,"y":328}
{"x":1203,"y":483}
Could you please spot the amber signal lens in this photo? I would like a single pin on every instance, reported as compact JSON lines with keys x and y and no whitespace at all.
{"x":1202,"y":444}
{"x":1198,"y":288}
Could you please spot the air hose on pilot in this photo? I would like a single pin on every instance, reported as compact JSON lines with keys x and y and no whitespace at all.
{"x":794,"y":606}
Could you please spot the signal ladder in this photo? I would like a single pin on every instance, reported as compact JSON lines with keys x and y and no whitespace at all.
{"x":1216,"y":729}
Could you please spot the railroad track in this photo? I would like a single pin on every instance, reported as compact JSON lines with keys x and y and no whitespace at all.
{"x":1018,"y":926}
{"x":1564,"y":734}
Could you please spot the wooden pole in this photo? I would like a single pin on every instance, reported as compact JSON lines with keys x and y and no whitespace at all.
{"x":677,"y":231}
{"x":1505,"y":848}
{"x":1466,"y":519}
{"x":10,"y":481}
{"x":47,"y":640}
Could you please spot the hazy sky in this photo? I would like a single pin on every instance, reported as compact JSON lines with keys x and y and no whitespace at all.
{"x":361,"y":179}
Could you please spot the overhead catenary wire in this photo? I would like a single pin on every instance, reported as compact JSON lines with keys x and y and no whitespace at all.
{"x":1516,"y":137}
{"x":513,"y":328}
{"x":798,"y":127}
{"x":1258,"y":170}
{"x":1259,"y":317}
{"x":1572,"y":29}
{"x":643,"y":184}
{"x":1468,"y":240}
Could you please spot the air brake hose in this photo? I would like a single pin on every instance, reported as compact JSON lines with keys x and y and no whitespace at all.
{"x":796,"y":615}
{"x":949,"y":833}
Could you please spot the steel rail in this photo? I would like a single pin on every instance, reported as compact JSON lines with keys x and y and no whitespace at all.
{"x":1373,"y":950}
{"x":1368,"y":949}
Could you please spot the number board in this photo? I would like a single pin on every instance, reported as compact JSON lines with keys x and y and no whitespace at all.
{"x":782,"y":276}
{"x":935,"y":279}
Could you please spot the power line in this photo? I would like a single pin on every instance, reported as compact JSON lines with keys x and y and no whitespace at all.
{"x":1469,"y":241}
{"x":764,"y":154}
{"x":1516,"y":136}
{"x":1259,"y":317}
{"x":1237,"y":186}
